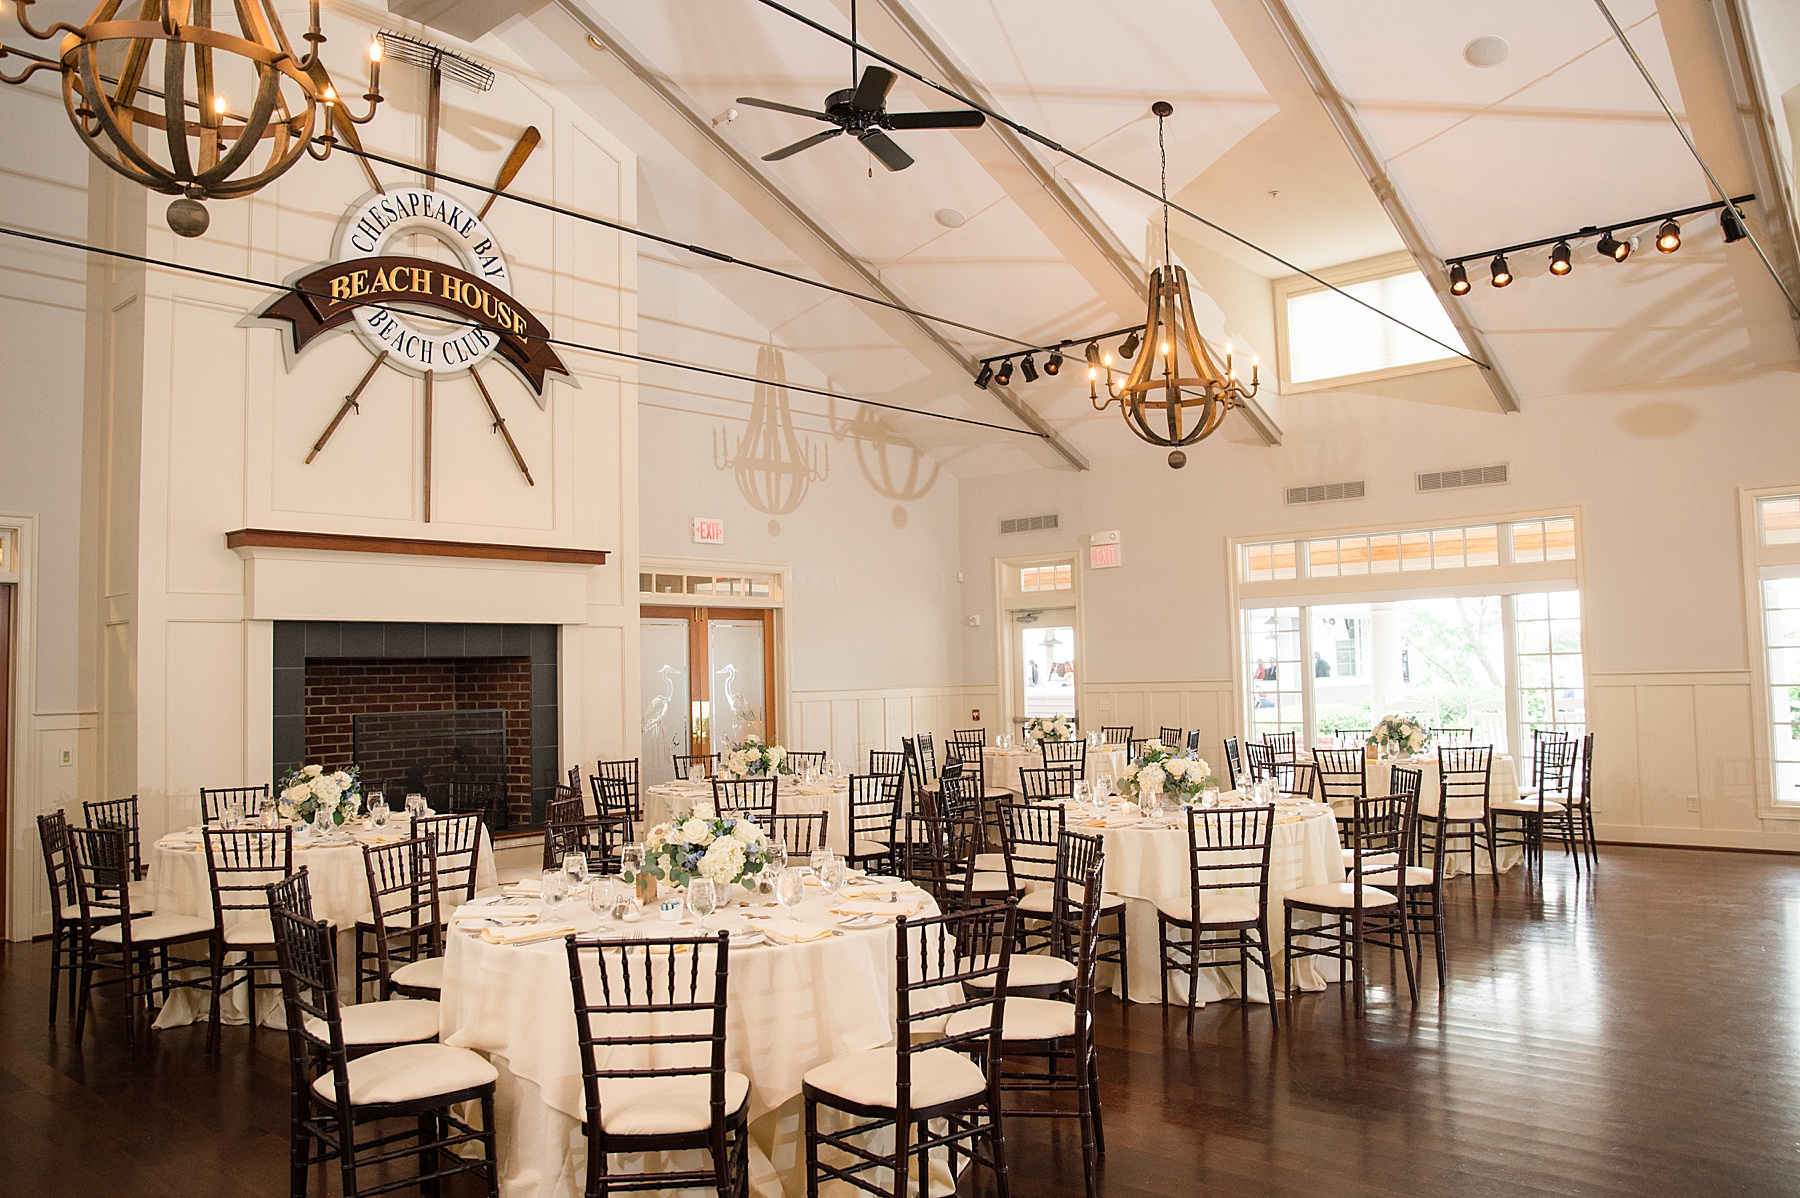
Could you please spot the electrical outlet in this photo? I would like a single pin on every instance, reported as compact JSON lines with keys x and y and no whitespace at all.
{"x":68,"y":756}
{"x":974,"y":621}
{"x":1693,"y":802}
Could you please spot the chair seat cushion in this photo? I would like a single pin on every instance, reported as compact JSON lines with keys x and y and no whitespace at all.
{"x":409,"y":1073}
{"x":1416,"y":875}
{"x":159,"y":926}
{"x":1030,"y":970}
{"x":989,"y":883}
{"x":1025,"y":1019}
{"x":866,"y":1078}
{"x":868,"y":846}
{"x":990,"y":863}
{"x":1339,"y":896}
{"x":425,"y":975}
{"x":254,"y":929}
{"x":1043,"y":900}
{"x":1214,"y":909}
{"x":1372,"y":862}
{"x":655,"y":1106}
{"x":392,"y":1021}
{"x":1464,"y":811}
{"x":1526,"y":806}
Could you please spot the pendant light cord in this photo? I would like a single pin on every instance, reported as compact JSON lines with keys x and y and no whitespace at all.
{"x":1162,"y":150}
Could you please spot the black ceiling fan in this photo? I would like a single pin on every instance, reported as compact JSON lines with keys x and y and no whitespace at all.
{"x":862,"y":112}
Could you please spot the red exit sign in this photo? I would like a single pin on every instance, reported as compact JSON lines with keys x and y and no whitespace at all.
{"x":1103,"y":557}
{"x":708,"y":532}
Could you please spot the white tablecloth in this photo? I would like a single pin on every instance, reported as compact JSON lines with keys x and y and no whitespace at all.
{"x":339,"y":882}
{"x":664,"y":801}
{"x":1001,"y":766}
{"x":1144,"y":865}
{"x":791,"y":1007}
{"x":1503,"y":783}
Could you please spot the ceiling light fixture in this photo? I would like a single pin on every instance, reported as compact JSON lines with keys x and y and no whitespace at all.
{"x":1053,"y":364}
{"x":1029,"y":369}
{"x":1129,"y":347}
{"x":985,"y":375}
{"x":1498,"y":273}
{"x":1162,"y":400}
{"x":1004,"y":376}
{"x":1606,"y":242}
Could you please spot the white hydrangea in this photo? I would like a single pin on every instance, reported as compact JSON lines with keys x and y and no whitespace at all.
{"x":724,"y":861}
{"x":1151,"y":777}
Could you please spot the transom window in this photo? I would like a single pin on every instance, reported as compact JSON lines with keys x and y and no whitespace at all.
{"x":712,"y":586}
{"x":1401,"y":552}
{"x":1047,"y":578}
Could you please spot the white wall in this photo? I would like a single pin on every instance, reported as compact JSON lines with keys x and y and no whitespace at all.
{"x":1654,"y":475}
{"x":871,"y":547}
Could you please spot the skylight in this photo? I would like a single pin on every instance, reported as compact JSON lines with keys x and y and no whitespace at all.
{"x":1331,"y":337}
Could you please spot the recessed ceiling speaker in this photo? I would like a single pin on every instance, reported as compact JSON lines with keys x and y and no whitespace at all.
{"x":1486,"y":51}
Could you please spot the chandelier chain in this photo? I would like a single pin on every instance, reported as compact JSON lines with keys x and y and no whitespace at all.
{"x":1162,"y":150}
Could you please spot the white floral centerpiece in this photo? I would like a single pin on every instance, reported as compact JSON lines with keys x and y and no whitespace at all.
{"x":309,"y":790}
{"x":1053,"y":728}
{"x":1400,"y":734}
{"x":754,"y":757}
{"x":698,"y":843}
{"x":1165,"y":770}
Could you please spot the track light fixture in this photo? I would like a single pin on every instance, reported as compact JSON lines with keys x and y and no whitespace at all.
{"x":1029,"y":369}
{"x":985,"y":375}
{"x":1129,"y":347}
{"x":1605,"y":239}
{"x":1004,"y":375}
{"x":1053,"y":364}
{"x":1732,"y":224}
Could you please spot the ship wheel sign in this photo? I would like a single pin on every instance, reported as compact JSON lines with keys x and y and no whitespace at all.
{"x":419,"y":315}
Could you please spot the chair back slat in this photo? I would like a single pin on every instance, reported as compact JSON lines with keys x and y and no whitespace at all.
{"x":240,"y":864}
{"x":120,"y":813}
{"x":751,"y":798}
{"x":1234,"y":760}
{"x":800,"y":831}
{"x":685,"y":764}
{"x":1228,"y":851}
{"x":213,"y":800}
{"x":1050,"y":783}
{"x":456,"y":839}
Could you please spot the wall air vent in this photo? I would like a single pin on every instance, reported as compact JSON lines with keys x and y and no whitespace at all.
{"x":1474,"y":476}
{"x":1028,"y":524}
{"x":1324,"y":492}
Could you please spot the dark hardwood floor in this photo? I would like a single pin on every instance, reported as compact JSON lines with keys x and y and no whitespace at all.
{"x":1633,"y":1033}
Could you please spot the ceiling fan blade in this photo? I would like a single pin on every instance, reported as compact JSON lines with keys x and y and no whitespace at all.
{"x":966,"y":118}
{"x":805,"y":143}
{"x":886,"y":150}
{"x":772,"y":106}
{"x":871,"y":92}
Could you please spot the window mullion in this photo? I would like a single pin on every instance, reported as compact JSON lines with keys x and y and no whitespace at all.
{"x":1515,"y":707}
{"x":1306,"y":677}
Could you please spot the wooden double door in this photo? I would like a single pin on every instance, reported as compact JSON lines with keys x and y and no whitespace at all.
{"x":708,"y":681}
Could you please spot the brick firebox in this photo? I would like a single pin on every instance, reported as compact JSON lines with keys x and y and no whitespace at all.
{"x":327,"y":671}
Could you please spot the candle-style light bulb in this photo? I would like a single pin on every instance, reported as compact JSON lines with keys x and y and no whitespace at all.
{"x":219,"y":105}
{"x":375,"y":50}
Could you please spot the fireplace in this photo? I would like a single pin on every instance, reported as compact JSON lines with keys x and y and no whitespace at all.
{"x":464,"y":713}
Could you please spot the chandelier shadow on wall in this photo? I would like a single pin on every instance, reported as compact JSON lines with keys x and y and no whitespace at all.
{"x":192,"y":99}
{"x":774,"y":467}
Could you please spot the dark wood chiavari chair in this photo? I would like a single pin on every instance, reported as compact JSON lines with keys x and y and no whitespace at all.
{"x":613,"y":798}
{"x":213,"y":800}
{"x":1343,"y":776}
{"x":1351,"y":911}
{"x":574,"y":782}
{"x":335,"y":1096}
{"x":927,"y":754}
{"x":1422,"y":886}
{"x":796,"y":760}
{"x":1546,"y":809}
{"x":1226,"y":909}
{"x":1285,"y":745}
{"x":1193,"y":741}
{"x":1234,"y":760}
{"x":1068,"y":753}
{"x":799,"y":831}
{"x":120,"y":813}
{"x":1464,"y":788}
{"x":597,"y":840}
{"x":136,"y":948}
{"x":1451,"y":736}
{"x":1050,"y":784}
{"x":1116,"y":734}
{"x":1353,"y":738}
{"x":753,"y":798}
{"x":1134,"y":748}
{"x":456,"y":840}
{"x":240,"y":863}
{"x":1581,"y":802}
{"x":887,"y":763}
{"x":965,"y":740}
{"x":65,"y":905}
{"x":1297,"y":779}
{"x":923,"y":782}
{"x":685,"y":762}
{"x":405,"y":925}
{"x":661,"y":1000}
{"x":565,"y":808}
{"x":941,"y":847}
{"x":622,"y":775}
{"x":484,"y":800}
{"x":1028,"y":836}
{"x":1170,"y":737}
{"x":1057,"y":1035}
{"x":874,"y":802}
{"x":1262,"y":760}
{"x":923,"y":1086}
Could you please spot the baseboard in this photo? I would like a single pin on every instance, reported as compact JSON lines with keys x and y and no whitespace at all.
{"x":1699,"y":838}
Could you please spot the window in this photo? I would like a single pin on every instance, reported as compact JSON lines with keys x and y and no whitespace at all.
{"x":1272,"y":665}
{"x":711,"y":586}
{"x":1770,"y":524}
{"x":1047,"y":578}
{"x":1327,"y":337}
{"x":1261,"y":563}
{"x":1547,"y":630}
{"x":1544,"y":540}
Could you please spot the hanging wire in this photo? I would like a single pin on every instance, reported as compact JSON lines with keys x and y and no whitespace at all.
{"x":1162,"y":150}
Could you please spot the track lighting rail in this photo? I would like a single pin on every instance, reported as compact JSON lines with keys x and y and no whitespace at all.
{"x":1596,"y":231}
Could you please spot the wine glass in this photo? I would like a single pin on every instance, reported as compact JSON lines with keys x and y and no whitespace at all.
{"x":631,"y":859}
{"x":575,"y":868}
{"x":601,"y":897}
{"x":702,"y":898}
{"x":821,"y":857}
{"x":231,"y":814}
{"x":1083,"y":794}
{"x":378,"y":809}
{"x":554,"y":889}
{"x":415,"y":805}
{"x":778,"y":856}
{"x":790,"y":889}
{"x":1103,"y":787}
{"x":1150,"y":806}
{"x":834,"y":875}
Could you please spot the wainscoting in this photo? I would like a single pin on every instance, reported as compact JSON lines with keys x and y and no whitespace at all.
{"x":1208,"y":704}
{"x":44,"y":784}
{"x":850,"y":723}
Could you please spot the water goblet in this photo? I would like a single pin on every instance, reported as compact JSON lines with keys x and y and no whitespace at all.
{"x":778,"y":856}
{"x":790,"y":889}
{"x":554,"y":889}
{"x":702,"y":898}
{"x":1209,"y":797}
{"x":602,"y":896}
{"x":231,"y":814}
{"x":378,"y":809}
{"x":1083,"y":794}
{"x":821,"y":856}
{"x":415,"y":805}
{"x":834,"y":875}
{"x":575,"y":868}
{"x":1103,"y":786}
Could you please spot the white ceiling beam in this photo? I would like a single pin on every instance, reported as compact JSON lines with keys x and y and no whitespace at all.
{"x":1125,"y":290}
{"x":1429,"y":262}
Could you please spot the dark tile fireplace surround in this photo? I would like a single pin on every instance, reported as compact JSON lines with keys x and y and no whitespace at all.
{"x":336,"y":669}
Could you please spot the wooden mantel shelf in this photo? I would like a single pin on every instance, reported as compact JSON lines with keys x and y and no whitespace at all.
{"x":337,"y":542}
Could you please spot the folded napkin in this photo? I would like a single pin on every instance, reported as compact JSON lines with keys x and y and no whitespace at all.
{"x":792,"y":931}
{"x":530,"y":886}
{"x":902,"y":889}
{"x":512,"y":917}
{"x":525,"y":935}
{"x":906,"y":907}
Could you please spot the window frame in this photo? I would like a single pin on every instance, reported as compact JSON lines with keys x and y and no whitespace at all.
{"x":1367,"y":270}
{"x":1761,"y":561}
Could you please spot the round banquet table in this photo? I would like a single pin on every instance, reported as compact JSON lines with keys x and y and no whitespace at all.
{"x":1000,"y":767}
{"x":790,"y":1008}
{"x":665,"y":800}
{"x":1148,"y":865}
{"x":1503,"y":783}
{"x":339,"y":882}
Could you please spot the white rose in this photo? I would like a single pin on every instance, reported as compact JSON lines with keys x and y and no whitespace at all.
{"x":696,"y":831}
{"x":703,"y":809}
{"x":1201,"y":768}
{"x":747,"y":833}
{"x":724,"y":861}
{"x":659,"y":836}
{"x":313,"y":771}
{"x":293,"y":796}
{"x":342,"y":779}
{"x":777,"y":754}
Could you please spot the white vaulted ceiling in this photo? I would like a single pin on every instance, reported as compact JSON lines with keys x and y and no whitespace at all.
{"x":1562,"y":134}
